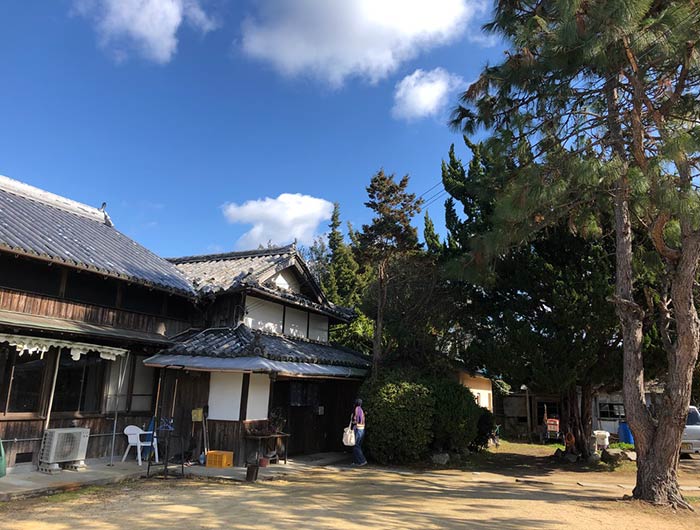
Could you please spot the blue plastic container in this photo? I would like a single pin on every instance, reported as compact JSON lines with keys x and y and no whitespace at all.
{"x":625,"y":433}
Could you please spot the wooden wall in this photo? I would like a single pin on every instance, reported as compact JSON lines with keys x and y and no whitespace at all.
{"x":100,"y":434}
{"x":225,"y":310}
{"x":311,"y":432}
{"x":230,"y":436}
{"x":34,"y":304}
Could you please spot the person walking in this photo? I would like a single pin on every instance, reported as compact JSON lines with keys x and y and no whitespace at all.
{"x":358,"y":425}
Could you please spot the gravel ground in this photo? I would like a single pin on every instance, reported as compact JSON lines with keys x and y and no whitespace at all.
{"x":350,"y":498}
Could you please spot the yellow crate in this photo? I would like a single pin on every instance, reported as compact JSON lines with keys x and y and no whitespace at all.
{"x":220,"y":459}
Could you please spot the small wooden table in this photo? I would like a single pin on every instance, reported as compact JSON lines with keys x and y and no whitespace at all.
{"x":260,"y":437}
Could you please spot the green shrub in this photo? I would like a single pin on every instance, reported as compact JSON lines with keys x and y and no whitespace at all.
{"x":484,"y":427}
{"x":456,"y":415}
{"x":399,"y":420}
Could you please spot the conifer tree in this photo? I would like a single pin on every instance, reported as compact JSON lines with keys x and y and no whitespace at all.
{"x":389,"y":236}
{"x":343,"y":271}
{"x":596,"y":108}
{"x":432,"y":240}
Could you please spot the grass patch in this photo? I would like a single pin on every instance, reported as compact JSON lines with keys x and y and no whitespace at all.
{"x":623,"y":446}
{"x":67,"y":496}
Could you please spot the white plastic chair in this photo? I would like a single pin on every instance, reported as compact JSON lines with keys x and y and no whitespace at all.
{"x":133,"y":434}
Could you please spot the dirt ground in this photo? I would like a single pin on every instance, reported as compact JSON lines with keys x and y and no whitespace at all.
{"x":523,"y":491}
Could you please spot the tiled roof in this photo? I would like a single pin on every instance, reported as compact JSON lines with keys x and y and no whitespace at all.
{"x":39,"y":224}
{"x":222,"y":272}
{"x":251,"y":270}
{"x":244,"y":342}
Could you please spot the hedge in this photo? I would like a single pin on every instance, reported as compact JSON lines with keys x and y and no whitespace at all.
{"x":409,"y":415}
{"x":399,"y":421}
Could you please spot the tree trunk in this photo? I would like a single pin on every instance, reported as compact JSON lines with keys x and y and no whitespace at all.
{"x":379,"y":322}
{"x":586,"y":417}
{"x":576,"y":423}
{"x":657,"y":459}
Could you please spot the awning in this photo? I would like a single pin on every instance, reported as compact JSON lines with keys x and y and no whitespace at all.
{"x":23,"y":343}
{"x":21,"y":321}
{"x":253,"y":364}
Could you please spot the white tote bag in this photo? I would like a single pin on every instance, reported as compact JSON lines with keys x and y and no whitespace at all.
{"x":349,"y":436}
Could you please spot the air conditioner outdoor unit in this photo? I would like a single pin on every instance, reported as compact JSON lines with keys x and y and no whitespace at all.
{"x":63,"y":446}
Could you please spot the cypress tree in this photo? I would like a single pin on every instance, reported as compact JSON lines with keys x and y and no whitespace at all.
{"x":432,"y":240}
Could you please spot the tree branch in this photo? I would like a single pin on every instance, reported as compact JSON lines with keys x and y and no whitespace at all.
{"x":657,"y":237}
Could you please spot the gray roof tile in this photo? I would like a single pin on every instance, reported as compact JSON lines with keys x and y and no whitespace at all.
{"x":37,"y":223}
{"x":222,"y":272}
{"x":242,"y":341}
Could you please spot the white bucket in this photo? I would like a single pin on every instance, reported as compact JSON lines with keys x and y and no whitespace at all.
{"x":602,"y":439}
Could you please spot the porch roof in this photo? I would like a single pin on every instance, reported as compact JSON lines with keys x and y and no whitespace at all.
{"x":12,"y":320}
{"x":235,"y":348}
{"x":252,"y":364}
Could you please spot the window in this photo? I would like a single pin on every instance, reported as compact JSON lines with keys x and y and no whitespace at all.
{"x":138,"y":379}
{"x":142,"y":300}
{"x":21,"y":379}
{"x":611,"y":411}
{"x":693,"y":417}
{"x":91,"y":289}
{"x":29,"y":275}
{"x":79,"y":383}
{"x":142,"y":389}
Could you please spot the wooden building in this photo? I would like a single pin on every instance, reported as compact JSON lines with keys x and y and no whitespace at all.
{"x":264,"y":350}
{"x":82,"y":306}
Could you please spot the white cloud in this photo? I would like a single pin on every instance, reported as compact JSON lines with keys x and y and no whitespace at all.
{"x":290,"y":216}
{"x":150,"y":26}
{"x":336,"y":39}
{"x":423,"y":94}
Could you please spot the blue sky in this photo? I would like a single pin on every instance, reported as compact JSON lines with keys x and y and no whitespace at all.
{"x":178,"y":112}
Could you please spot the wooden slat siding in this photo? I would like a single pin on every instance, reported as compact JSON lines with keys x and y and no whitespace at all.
{"x":21,"y":302}
{"x":226,"y":310}
{"x":192,"y":393}
{"x":98,"y":446}
{"x":230,"y":436}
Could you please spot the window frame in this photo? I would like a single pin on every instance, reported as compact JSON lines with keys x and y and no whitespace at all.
{"x":612,"y":413}
{"x":6,"y":388}
{"x":79,"y":413}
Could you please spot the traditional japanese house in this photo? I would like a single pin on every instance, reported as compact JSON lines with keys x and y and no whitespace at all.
{"x":264,"y":350}
{"x":81,"y":306}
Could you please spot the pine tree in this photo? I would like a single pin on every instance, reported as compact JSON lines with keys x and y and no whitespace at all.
{"x":389,"y":236}
{"x":432,"y":240}
{"x":595,"y":108}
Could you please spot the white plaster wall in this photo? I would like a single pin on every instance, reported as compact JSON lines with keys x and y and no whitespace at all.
{"x":483,"y":398}
{"x":258,"y":397}
{"x":225,"y":395}
{"x":287,"y":280}
{"x":295,"y":322}
{"x":318,"y":327}
{"x":261,"y":314}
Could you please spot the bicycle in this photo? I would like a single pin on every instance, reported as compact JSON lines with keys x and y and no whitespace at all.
{"x":495,"y":436}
